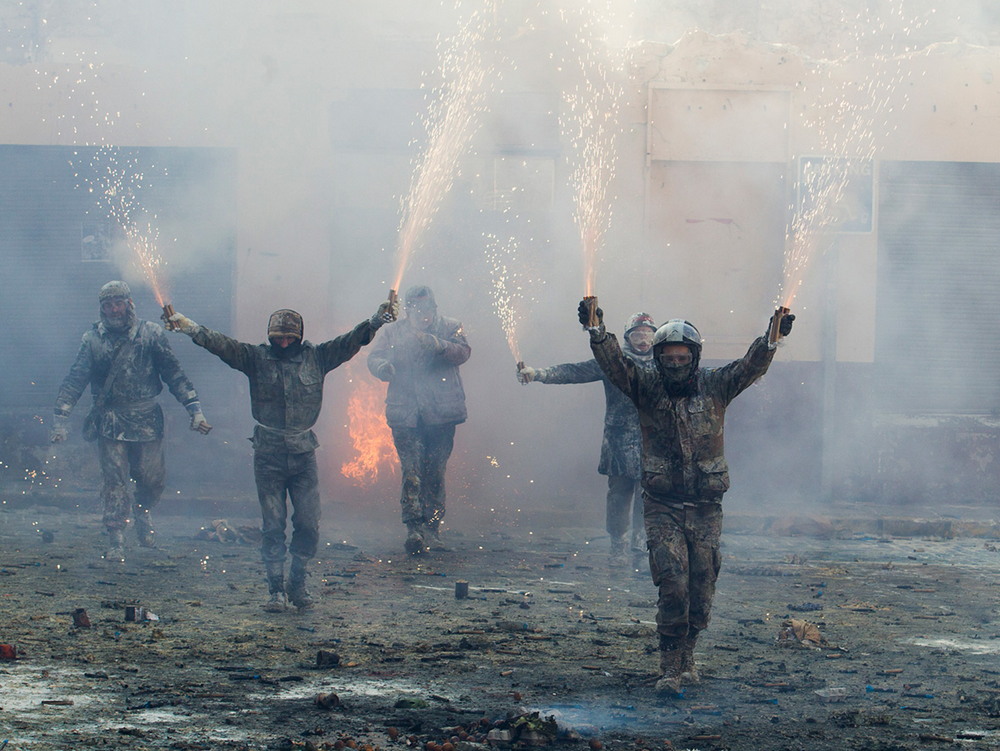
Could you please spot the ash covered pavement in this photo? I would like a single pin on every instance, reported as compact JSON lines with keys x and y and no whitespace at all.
{"x":853,"y":641}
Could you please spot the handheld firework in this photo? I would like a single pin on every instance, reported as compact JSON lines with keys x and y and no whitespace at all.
{"x":591,"y":302}
{"x":393,"y":297}
{"x":168,"y":310}
{"x":774,"y":333}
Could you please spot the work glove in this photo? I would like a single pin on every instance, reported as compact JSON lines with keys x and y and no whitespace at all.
{"x":526,"y":374}
{"x":385,"y":371}
{"x":785,"y":327}
{"x":183,"y":324}
{"x":198,"y":421}
{"x":430,"y":343}
{"x":387,"y":313}
{"x":60,"y":429}
{"x":583,"y":312}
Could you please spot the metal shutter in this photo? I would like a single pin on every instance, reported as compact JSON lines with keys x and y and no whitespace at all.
{"x":938,"y":322}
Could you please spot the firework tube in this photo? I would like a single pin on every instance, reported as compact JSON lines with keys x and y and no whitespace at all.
{"x":168,"y":310}
{"x":591,"y":301}
{"x":393,"y":297}
{"x":774,"y":334}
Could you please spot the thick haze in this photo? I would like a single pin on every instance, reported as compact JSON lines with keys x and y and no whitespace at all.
{"x":314,"y":109}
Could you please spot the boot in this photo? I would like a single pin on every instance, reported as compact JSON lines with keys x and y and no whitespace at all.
{"x":689,"y":671}
{"x":144,"y":529}
{"x":432,"y":537}
{"x":618,"y":558}
{"x":415,"y":544}
{"x":670,"y":667}
{"x":277,"y":602}
{"x":116,"y":545}
{"x":298,"y":595}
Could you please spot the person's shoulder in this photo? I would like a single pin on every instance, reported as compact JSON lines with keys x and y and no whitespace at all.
{"x":150,"y":330}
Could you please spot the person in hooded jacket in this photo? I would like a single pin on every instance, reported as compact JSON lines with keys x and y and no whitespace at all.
{"x":419,"y":356}
{"x":621,"y":446}
{"x":286,"y":395}
{"x":682,"y":410}
{"x":126,"y":361}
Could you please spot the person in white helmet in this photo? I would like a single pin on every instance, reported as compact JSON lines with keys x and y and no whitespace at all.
{"x":621,"y":443}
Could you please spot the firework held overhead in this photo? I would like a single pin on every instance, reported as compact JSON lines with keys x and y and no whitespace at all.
{"x":716,"y":171}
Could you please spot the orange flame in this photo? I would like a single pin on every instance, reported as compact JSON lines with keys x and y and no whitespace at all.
{"x":369,"y":433}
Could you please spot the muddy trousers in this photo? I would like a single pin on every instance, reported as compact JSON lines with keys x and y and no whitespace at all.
{"x":281,"y":477}
{"x":624,"y":508}
{"x":684,"y":561}
{"x":423,"y":456}
{"x":121,"y":463}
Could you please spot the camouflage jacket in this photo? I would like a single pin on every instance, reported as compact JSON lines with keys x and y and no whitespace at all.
{"x":130,"y":411}
{"x":621,"y":445}
{"x":285,"y":394}
{"x":426,"y":387}
{"x":682,"y":437}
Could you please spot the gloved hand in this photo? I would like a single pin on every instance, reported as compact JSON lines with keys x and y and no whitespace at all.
{"x":60,"y":429}
{"x":183,"y":324}
{"x":526,"y":374}
{"x":583,"y":312}
{"x":785,"y":327}
{"x":387,"y":313}
{"x":198,"y":421}
{"x":430,"y":343}
{"x":385,"y":371}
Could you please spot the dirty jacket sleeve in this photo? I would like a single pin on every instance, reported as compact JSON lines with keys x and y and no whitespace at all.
{"x":587,"y":371}
{"x":75,"y":382}
{"x":237,"y":355}
{"x":168,"y":367}
{"x":338,"y":351}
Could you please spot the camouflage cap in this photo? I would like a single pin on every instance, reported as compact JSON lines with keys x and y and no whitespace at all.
{"x":285,"y":322}
{"x":114,"y":288}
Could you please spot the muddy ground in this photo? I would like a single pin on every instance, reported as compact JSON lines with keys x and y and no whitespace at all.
{"x":909,"y":654}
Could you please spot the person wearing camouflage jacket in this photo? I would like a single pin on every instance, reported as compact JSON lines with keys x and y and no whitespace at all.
{"x":126,"y":361}
{"x":286,"y":395}
{"x":419,"y":357}
{"x":621,"y":445}
{"x":682,"y":410}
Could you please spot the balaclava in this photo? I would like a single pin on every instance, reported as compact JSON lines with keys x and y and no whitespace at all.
{"x":286,"y":322}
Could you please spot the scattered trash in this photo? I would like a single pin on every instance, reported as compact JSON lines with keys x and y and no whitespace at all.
{"x":795,"y":631}
{"x":327,"y":701}
{"x":832,"y":694}
{"x":325,"y":659}
{"x":137,"y":614}
{"x":8,"y":652}
{"x":80,"y":618}
{"x":805,"y":607}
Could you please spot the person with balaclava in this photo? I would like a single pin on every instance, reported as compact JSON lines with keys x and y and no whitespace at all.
{"x":419,"y":356}
{"x":682,"y":409}
{"x":286,"y":394}
{"x":621,"y":444}
{"x":126,"y":361}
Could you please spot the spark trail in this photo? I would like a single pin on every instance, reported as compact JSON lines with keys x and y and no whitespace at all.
{"x":509,"y":287}
{"x":852,"y":118}
{"x":592,"y":123}
{"x":452,"y":119}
